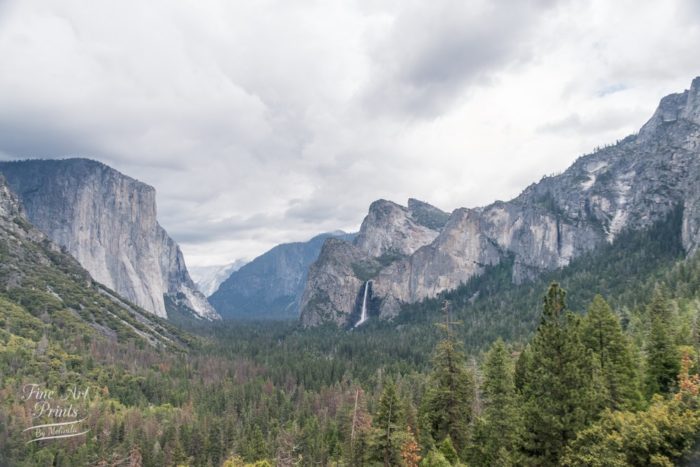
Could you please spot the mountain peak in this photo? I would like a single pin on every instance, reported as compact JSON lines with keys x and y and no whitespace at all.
{"x":695,"y":84}
{"x":390,"y":228}
{"x":426,"y":214}
{"x":684,"y":106}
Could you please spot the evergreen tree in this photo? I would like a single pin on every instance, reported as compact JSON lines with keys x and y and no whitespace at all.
{"x":498,"y":430}
{"x":448,"y":450}
{"x":435,"y":458}
{"x":663,"y":359}
{"x":602,"y":333}
{"x":521,"y":366}
{"x":256,"y":448}
{"x":559,"y":383}
{"x":447,"y":405}
{"x":387,"y":425}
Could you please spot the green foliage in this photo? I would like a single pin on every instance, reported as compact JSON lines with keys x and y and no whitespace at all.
{"x":388,"y":422}
{"x":248,"y":394}
{"x":448,"y":450}
{"x":435,"y":458}
{"x":663,"y":358}
{"x":498,"y":430}
{"x":447,"y":404}
{"x":602,"y":334}
{"x":559,"y":390}
{"x":656,"y":436}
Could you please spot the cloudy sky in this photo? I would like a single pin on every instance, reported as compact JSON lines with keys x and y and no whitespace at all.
{"x":263,"y":121}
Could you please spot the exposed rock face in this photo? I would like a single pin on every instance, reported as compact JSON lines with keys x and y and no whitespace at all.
{"x":107,"y":221}
{"x":626,"y":186}
{"x":390,"y":233}
{"x":332,"y":290}
{"x":270,"y":286}
{"x":32,"y":265}
{"x":393,"y":229}
{"x":10,"y":206}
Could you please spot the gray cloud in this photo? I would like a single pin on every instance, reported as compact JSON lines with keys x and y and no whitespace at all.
{"x":266,"y":122}
{"x":436,"y":49}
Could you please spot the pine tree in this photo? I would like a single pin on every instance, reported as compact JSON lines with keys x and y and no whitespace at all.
{"x":387,"y":424}
{"x":448,"y":450}
{"x":559,"y":383}
{"x":602,"y":333}
{"x":663,"y":360}
{"x":498,"y":430}
{"x":256,"y":447}
{"x":521,"y":366}
{"x":447,"y":405}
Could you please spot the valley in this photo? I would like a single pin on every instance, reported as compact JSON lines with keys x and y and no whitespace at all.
{"x":558,"y":328}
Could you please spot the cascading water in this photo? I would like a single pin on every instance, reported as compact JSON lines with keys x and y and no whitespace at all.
{"x":363,"y":315}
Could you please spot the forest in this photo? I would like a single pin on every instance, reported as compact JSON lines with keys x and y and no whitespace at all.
{"x":594,"y":364}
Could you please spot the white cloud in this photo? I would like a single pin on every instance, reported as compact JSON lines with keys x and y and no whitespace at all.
{"x":271,"y":121}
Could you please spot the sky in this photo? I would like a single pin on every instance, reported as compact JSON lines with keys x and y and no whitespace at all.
{"x":263,"y":122}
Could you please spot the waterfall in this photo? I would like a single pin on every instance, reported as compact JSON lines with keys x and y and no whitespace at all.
{"x":363,"y":316}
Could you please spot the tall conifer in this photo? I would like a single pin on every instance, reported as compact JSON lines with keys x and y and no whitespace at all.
{"x":559,"y":388}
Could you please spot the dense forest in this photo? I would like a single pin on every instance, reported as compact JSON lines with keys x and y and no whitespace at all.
{"x":594,"y":364}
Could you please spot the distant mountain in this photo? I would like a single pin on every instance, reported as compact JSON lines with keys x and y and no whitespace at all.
{"x":208,"y":278}
{"x":270,"y":286}
{"x":107,"y":221}
{"x":626,"y":186}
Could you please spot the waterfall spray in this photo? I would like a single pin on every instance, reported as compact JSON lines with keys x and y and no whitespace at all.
{"x":363,"y":315}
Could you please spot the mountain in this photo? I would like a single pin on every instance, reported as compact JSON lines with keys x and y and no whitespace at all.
{"x":626,"y":186}
{"x":271,"y":285}
{"x":107,"y":221}
{"x":208,"y":278}
{"x":41,"y":286}
{"x":334,"y":290}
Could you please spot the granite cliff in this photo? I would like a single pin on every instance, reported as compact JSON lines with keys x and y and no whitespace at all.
{"x":629,"y":185}
{"x":42,"y":286}
{"x":107,"y":221}
{"x":389,"y":234}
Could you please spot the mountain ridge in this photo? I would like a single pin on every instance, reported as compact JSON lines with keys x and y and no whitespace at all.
{"x":629,"y":185}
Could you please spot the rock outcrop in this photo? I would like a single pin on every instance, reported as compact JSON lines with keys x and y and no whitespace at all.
{"x":107,"y":221}
{"x":629,"y":185}
{"x":389,"y":234}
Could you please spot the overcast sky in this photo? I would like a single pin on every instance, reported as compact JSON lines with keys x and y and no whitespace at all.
{"x":262,"y":122}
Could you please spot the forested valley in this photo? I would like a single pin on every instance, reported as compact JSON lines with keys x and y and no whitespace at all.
{"x":594,"y":364}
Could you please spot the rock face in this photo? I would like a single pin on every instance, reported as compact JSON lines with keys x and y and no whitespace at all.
{"x":107,"y":221}
{"x":390,"y":229}
{"x":332,"y":291}
{"x":270,"y":286}
{"x":40,"y":279}
{"x":629,"y":185}
{"x":389,"y":234}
